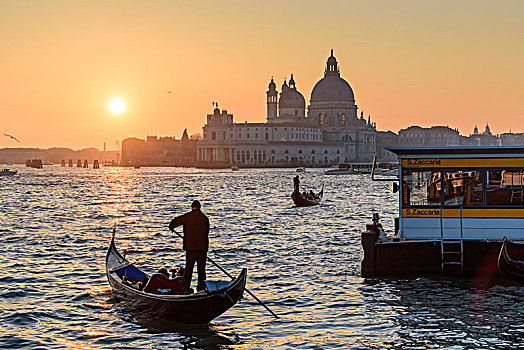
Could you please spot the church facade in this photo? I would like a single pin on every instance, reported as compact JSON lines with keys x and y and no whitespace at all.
{"x":329,"y":133}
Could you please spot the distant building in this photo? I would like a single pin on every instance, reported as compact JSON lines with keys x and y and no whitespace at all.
{"x":56,"y":155}
{"x":511,"y":139}
{"x":386,"y":139}
{"x":155,"y":151}
{"x":435,"y":136}
{"x":484,"y":139}
{"x":330,"y":134}
{"x":20,"y":155}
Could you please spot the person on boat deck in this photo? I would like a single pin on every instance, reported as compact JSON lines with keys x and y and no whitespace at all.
{"x":296,"y":183}
{"x":196,"y":244}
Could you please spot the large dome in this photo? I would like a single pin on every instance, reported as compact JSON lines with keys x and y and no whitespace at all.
{"x":332,"y":88}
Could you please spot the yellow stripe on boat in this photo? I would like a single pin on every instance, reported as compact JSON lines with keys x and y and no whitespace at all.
{"x":466,"y":213}
{"x":418,"y":163}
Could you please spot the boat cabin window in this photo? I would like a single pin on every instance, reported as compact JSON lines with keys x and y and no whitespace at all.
{"x":421,"y":188}
{"x":505,"y":187}
{"x":463,"y":188}
{"x":424,"y":188}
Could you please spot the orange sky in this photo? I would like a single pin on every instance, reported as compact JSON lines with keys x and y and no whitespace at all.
{"x":456,"y":63}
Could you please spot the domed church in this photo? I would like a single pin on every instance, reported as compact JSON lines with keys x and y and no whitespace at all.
{"x":330,"y":133}
{"x":332,"y":107}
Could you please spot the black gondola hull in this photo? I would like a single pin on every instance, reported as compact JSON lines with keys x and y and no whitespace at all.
{"x":512,"y":269}
{"x":193,"y":308}
{"x":303,"y":202}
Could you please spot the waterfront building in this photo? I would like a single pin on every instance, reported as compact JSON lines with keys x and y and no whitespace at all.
{"x":386,"y":139}
{"x":478,"y":139}
{"x":512,"y":139}
{"x":329,"y":134}
{"x":159,"y":151}
{"x":435,"y":136}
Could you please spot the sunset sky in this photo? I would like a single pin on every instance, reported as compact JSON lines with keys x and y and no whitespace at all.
{"x":456,"y":63}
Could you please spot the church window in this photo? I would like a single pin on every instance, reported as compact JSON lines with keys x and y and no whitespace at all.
{"x":296,"y":111}
{"x":300,"y":152}
{"x":286,"y":151}
{"x":313,"y":152}
{"x":272,"y":151}
{"x":320,"y":119}
{"x":343,"y":118}
{"x":247,"y":135}
{"x":325,"y":152}
{"x":267,"y":136}
{"x":213,"y":135}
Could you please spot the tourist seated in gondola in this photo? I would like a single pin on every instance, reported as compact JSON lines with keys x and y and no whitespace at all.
{"x":163,"y":271}
{"x":161,"y":283}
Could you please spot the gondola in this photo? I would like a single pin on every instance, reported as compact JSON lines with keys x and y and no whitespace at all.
{"x":512,"y":269}
{"x":301,"y":201}
{"x":127,"y":282}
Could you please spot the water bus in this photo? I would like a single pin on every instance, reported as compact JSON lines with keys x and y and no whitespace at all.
{"x":353,"y":168}
{"x":456,"y":205}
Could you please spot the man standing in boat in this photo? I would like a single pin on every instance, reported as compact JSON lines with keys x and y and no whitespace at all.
{"x":196,"y":243}
{"x":296,"y":182}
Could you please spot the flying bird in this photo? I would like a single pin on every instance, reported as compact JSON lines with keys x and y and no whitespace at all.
{"x":169,"y":92}
{"x":11,"y":136}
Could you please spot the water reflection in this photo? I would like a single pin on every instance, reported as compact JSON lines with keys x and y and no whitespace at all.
{"x":433,"y":313}
{"x":205,"y":336}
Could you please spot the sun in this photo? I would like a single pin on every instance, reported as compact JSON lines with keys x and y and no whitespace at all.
{"x":117,"y":105}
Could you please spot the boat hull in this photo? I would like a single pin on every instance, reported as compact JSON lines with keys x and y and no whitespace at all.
{"x":422,"y":257}
{"x":510,"y":268}
{"x":200,"y":308}
{"x":303,"y":202}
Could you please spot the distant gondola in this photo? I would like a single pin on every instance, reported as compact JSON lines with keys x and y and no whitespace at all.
{"x":512,"y":269}
{"x":202,"y":307}
{"x":306,"y":201}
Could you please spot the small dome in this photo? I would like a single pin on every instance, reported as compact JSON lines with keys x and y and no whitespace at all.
{"x":291,"y":98}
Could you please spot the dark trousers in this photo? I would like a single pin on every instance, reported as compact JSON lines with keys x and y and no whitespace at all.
{"x":192,"y":256}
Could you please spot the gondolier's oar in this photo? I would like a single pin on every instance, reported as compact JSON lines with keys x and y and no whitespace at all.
{"x":232,"y":278}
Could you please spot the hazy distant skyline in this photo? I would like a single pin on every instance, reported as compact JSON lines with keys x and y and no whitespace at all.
{"x":456,"y":63}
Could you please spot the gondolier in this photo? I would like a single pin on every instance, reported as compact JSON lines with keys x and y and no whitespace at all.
{"x":296,"y":183}
{"x":196,"y":244}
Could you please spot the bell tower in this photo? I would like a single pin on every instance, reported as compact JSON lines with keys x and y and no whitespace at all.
{"x":271,"y":94}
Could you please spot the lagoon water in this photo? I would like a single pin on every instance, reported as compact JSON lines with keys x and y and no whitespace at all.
{"x":55,"y":226}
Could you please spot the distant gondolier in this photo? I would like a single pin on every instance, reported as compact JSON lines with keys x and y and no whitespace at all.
{"x":296,"y":182}
{"x":196,"y":243}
